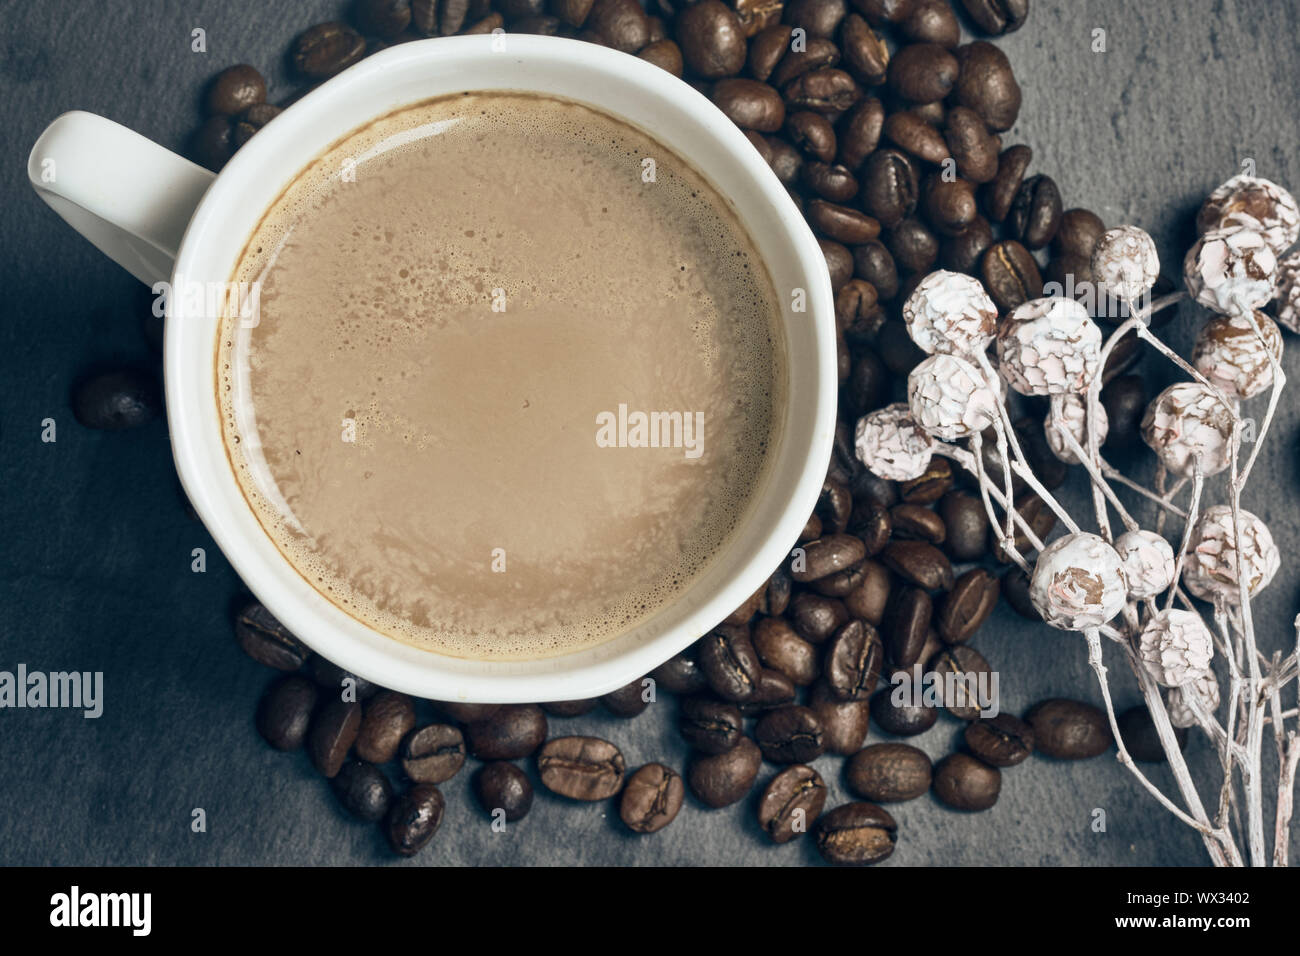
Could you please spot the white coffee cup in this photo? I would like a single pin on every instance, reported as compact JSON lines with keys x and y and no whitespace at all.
{"x":166,"y":220}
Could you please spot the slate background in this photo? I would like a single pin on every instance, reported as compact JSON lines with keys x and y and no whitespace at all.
{"x":95,"y":542}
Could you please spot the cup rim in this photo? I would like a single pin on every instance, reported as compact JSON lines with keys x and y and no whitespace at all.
{"x":311,"y":615}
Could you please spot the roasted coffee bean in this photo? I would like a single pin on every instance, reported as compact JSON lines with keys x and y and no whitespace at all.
{"x":844,"y":722}
{"x":569,"y":708}
{"x":572,"y":12}
{"x":890,"y":191}
{"x":791,"y":802}
{"x":844,"y":225}
{"x":1002,"y":190}
{"x":868,"y":490}
{"x":830,"y":181}
{"x":897,"y":350}
{"x":839,"y":263}
{"x":781,"y":649}
{"x":1015,"y":589}
{"x":949,"y":205}
{"x":623,"y":25}
{"x":760,"y":143}
{"x":856,"y":834}
{"x":853,"y":661}
{"x":413,"y":819}
{"x":815,"y":54}
{"x":659,"y":29}
{"x":433,"y":753}
{"x":826,"y":90}
{"x":234,"y":90}
{"x":774,"y":690}
{"x":966,"y":524}
{"x":928,"y":487}
{"x":1078,"y":233}
{"x":1040,"y":518}
{"x":914,"y":136}
{"x":326,"y":49}
{"x":790,"y":734}
{"x":827,"y":555}
{"x":987,"y":85}
{"x":523,"y":9}
{"x":868,"y":385}
{"x":213,"y":144}
{"x":901,"y":719}
{"x":362,"y":790}
{"x":711,"y":38}
{"x":730,"y":663}
{"x":652,"y":798}
{"x":681,"y":673}
{"x":1069,"y":729}
{"x":250,"y":121}
{"x":883,"y":12}
{"x":872,"y":523}
{"x":581,"y":768}
{"x":963,"y":252}
{"x":387,"y":718}
{"x":742,"y":614}
{"x":1068,"y":275}
{"x":776,"y":596}
{"x":117,"y":400}
{"x":467,"y":713}
{"x":812,"y":133}
{"x":815,"y":617}
{"x":1035,"y":213}
{"x":1050,"y":470}
{"x":514,"y":731}
{"x":842,"y":583}
{"x":337,"y":682}
{"x":1141,"y":740}
{"x":859,"y":133}
{"x":997,"y":16}
{"x":501,"y":786}
{"x":766,"y":49}
{"x":931,"y":21}
{"x":968,"y":665}
{"x":488,"y":24}
{"x":750,"y":104}
{"x":664,"y":54}
{"x":922,"y":564}
{"x":382,"y":18}
{"x":907,"y":625}
{"x":266,"y":640}
{"x":872,"y":263}
{"x":866,"y":57}
{"x":868,"y":600}
{"x":964,"y":609}
{"x":914,"y":247}
{"x":630,"y":699}
{"x":1125,"y":402}
{"x":817,"y":18}
{"x":427,"y":19}
{"x":1001,"y":741}
{"x":285,"y":712}
{"x":970,"y":144}
{"x":923,"y":73}
{"x":722,"y":779}
{"x":835,"y":505}
{"x":1010,"y":274}
{"x":756,"y":15}
{"x":812,"y":529}
{"x":888,"y":773}
{"x":710,"y":725}
{"x":333,"y":729}
{"x":964,"y":783}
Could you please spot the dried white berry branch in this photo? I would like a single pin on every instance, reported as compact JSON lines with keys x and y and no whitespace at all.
{"x":1105,"y":586}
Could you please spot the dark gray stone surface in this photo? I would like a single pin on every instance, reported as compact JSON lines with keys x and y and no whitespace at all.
{"x":95,"y":564}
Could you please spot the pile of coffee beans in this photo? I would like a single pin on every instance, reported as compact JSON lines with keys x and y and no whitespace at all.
{"x":887,"y":130}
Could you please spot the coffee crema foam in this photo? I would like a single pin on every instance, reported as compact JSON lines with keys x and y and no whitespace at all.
{"x":431,"y":464}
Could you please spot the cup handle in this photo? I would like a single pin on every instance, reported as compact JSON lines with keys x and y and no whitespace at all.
{"x":125,"y":193}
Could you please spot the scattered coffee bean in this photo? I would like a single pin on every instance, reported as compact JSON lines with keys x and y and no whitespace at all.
{"x":1001,"y":741}
{"x":853,"y":661}
{"x":1010,"y":274}
{"x":859,"y":133}
{"x":331,"y":734}
{"x":337,"y":682}
{"x":1078,"y":233}
{"x":413,"y":819}
{"x":914,"y":136}
{"x":664,"y":54}
{"x":267,"y":641}
{"x":513,"y":731}
{"x":816,"y":53}
{"x":433,"y":754}
{"x":1035,"y":213}
{"x":922,"y":564}
{"x":968,"y":665}
{"x":815,"y":618}
{"x":774,"y":690}
{"x":964,"y":783}
{"x":923,"y":73}
{"x":730,"y":663}
{"x":570,"y":708}
{"x":386,"y":719}
{"x":750,"y":104}
{"x":652,"y":798}
{"x":285,"y":712}
{"x":928,"y":487}
{"x":622,"y":24}
{"x":234,"y":90}
{"x":362,"y":790}
{"x":464,"y":713}
{"x":791,"y":802}
{"x":986,"y":85}
{"x":901,"y":719}
{"x":326,"y":49}
{"x":501,"y":786}
{"x":711,"y":38}
{"x":781,"y":649}
{"x":722,"y":779}
{"x":1138,"y":732}
{"x":1069,"y":729}
{"x":997,"y":16}
{"x":581,"y":768}
{"x":629,"y":700}
{"x":890,"y":192}
{"x":790,"y":734}
{"x":888,"y":773}
{"x":572,"y":12}
{"x":917,"y":523}
{"x":907,"y":625}
{"x":966,"y":524}
{"x":681,"y":673}
{"x":964,"y":609}
{"x":844,"y":722}
{"x":1015,"y":588}
{"x":117,"y":400}
{"x":250,"y":121}
{"x":708,"y":725}
{"x":382,"y":18}
{"x":1001,"y":192}
{"x":1125,"y":400}
{"x":766,"y":49}
{"x":856,"y":834}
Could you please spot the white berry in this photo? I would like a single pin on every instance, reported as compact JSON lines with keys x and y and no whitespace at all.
{"x":1071,"y":417}
{"x":1148,"y":561}
{"x":1213,"y":556}
{"x":1175,"y":647}
{"x":1230,"y":270}
{"x":1190,"y":428}
{"x":949,"y":397}
{"x":1258,"y":203}
{"x":1078,"y":582}
{"x":950,"y":312}
{"x":1125,"y":262}
{"x":1205,"y":687}
{"x":892,"y":445}
{"x":1230,"y":353}
{"x":1049,"y":347}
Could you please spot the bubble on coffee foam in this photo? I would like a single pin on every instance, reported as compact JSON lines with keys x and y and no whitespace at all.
{"x":440,"y":625}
